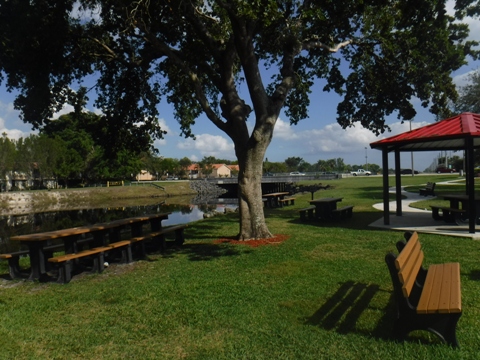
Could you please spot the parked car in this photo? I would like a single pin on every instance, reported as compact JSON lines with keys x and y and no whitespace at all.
{"x":170,"y":178}
{"x":408,"y":171}
{"x":443,"y":169}
{"x":360,"y":172}
{"x":296,"y":173}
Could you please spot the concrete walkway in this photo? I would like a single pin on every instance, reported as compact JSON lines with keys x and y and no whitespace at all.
{"x":419,"y":220}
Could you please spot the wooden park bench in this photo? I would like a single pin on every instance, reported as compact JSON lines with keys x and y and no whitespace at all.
{"x":65,"y":265}
{"x":428,"y":190}
{"x":308,"y":211}
{"x":425,"y":299}
{"x":449,"y":214}
{"x":343,"y":212}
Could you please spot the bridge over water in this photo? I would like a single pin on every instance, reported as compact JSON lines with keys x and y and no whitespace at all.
{"x":270,"y":184}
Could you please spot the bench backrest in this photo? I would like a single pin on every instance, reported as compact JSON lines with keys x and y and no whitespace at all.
{"x":430,"y":186}
{"x":408,"y":264}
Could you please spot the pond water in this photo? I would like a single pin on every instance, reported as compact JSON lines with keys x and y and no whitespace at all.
{"x":12,"y":225}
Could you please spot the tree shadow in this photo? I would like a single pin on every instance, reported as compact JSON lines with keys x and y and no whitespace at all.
{"x":359,"y":221}
{"x":205,"y":251}
{"x":342,"y":311}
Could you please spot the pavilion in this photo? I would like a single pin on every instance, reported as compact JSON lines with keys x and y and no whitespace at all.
{"x":461,"y":132}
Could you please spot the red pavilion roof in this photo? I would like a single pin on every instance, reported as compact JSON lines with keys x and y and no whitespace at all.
{"x":448,"y":134}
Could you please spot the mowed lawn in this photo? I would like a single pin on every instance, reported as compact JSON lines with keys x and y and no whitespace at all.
{"x":323,"y":293}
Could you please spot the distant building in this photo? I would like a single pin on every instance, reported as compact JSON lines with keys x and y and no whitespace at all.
{"x":217,"y":171}
{"x":144,"y":175}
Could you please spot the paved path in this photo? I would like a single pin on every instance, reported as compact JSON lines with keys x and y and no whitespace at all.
{"x":419,"y":220}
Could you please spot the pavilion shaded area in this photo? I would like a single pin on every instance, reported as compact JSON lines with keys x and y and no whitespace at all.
{"x":461,"y":132}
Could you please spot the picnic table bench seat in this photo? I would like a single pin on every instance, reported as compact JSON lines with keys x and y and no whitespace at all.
{"x":13,"y":259}
{"x":125,"y":246}
{"x":64,"y":262}
{"x":449,"y":214}
{"x":343,"y":212}
{"x":287,"y":201}
{"x":425,"y":299}
{"x":428,"y":189}
{"x":307,"y":212}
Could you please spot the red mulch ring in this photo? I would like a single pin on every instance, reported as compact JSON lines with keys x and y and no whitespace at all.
{"x":275,"y":240}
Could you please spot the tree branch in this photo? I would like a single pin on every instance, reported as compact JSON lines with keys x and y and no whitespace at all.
{"x":111,"y":53}
{"x":317,"y":44}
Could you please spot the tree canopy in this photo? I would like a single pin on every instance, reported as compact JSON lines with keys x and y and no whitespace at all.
{"x":200,"y":55}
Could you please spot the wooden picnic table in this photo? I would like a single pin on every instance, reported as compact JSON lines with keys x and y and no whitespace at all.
{"x":324,"y":207}
{"x":273,"y":199}
{"x":460,"y":202}
{"x":37,"y":242}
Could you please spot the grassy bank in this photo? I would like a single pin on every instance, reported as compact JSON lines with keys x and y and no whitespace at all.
{"x":324,"y":293}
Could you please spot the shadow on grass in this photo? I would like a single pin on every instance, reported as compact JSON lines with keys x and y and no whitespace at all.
{"x":343,"y":309}
{"x":205,"y":251}
{"x":474,"y":275}
{"x":358,"y":221}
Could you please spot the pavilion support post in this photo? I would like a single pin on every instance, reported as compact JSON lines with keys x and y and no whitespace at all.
{"x":398,"y":183}
{"x":470,"y":185}
{"x":386,"y":207}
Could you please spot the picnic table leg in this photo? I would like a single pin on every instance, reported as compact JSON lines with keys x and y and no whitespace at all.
{"x":156,"y":224}
{"x":37,"y":260}
{"x":136,"y":229}
{"x":99,"y":238}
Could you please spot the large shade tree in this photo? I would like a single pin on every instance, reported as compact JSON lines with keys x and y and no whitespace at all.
{"x":233,"y":61}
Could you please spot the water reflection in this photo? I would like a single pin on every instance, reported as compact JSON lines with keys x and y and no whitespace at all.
{"x":181,"y":213}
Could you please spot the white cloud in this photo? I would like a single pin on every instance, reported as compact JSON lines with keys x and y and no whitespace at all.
{"x":283,"y":130}
{"x":12,"y":134}
{"x":163,"y":125}
{"x":331,"y":141}
{"x":66,"y":109}
{"x":209,"y":145}
{"x":8,"y":115}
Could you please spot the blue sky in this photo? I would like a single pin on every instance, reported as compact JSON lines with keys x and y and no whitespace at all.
{"x":313,"y":139}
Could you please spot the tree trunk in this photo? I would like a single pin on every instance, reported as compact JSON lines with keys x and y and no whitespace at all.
{"x":252,"y":219}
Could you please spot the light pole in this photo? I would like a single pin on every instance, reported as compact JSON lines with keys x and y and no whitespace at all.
{"x":366,"y":159}
{"x":411,"y":153}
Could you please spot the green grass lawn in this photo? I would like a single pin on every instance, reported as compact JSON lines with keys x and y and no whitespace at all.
{"x":324,"y":293}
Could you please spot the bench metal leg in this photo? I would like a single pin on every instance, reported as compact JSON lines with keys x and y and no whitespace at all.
{"x":442,"y":325}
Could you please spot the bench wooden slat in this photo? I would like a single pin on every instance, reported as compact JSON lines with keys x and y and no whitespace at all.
{"x":433,"y":289}
{"x":408,"y":274}
{"x":83,"y":253}
{"x":118,"y":244}
{"x":405,"y":253}
{"x":422,"y":306}
{"x":455,"y":292}
{"x":446,"y":290}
